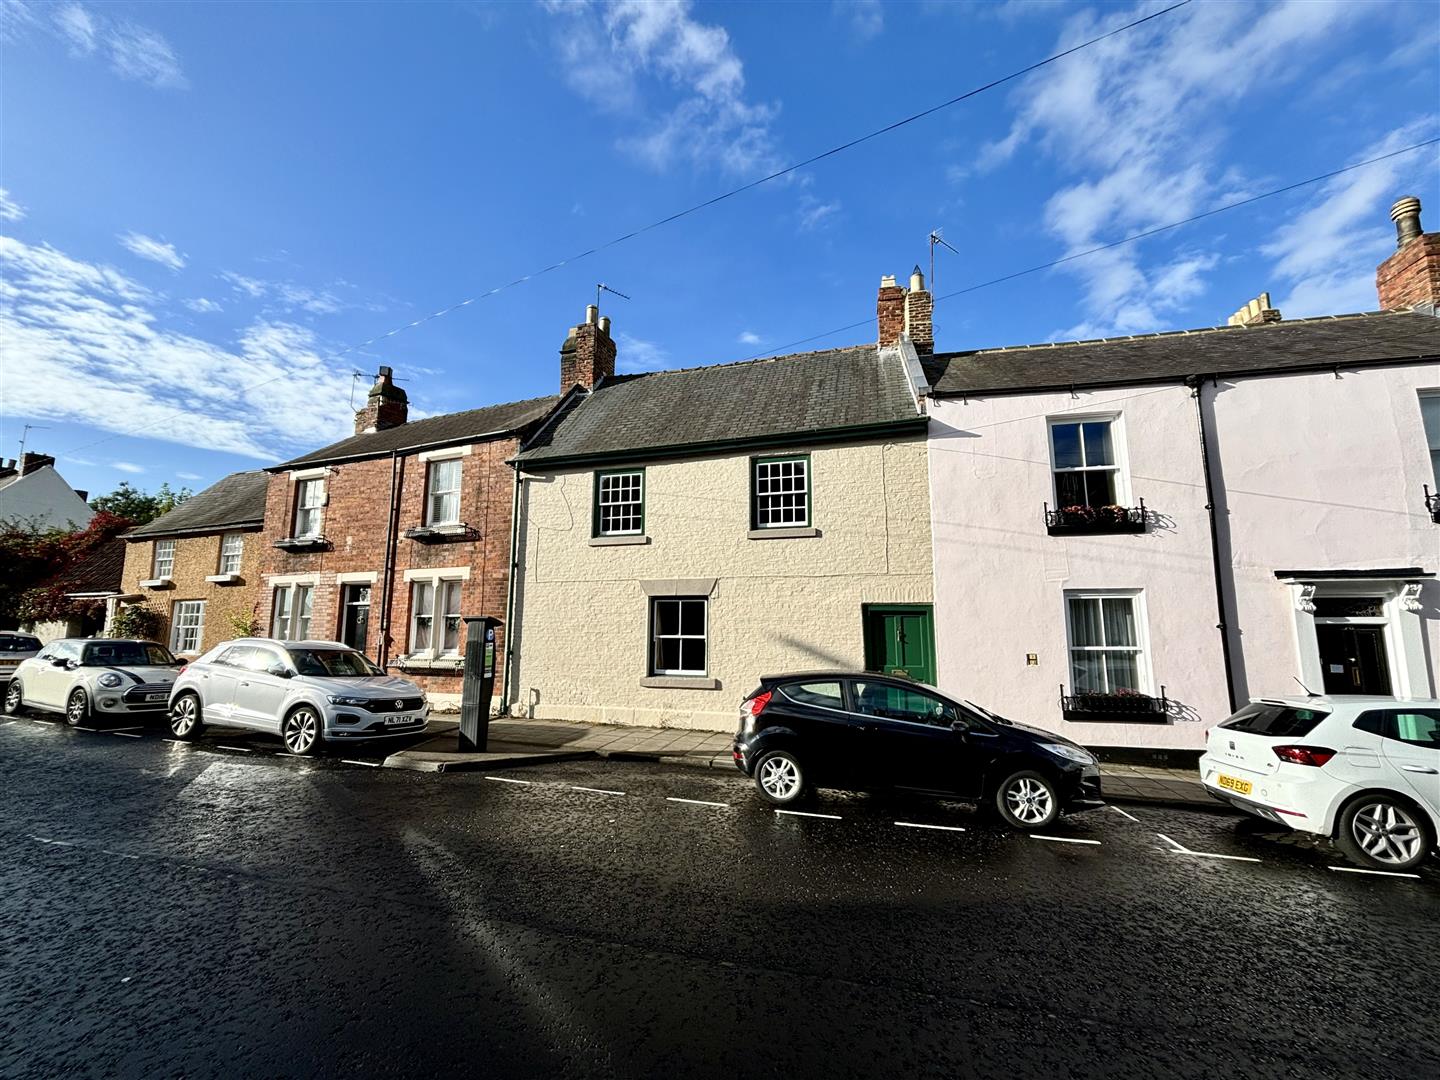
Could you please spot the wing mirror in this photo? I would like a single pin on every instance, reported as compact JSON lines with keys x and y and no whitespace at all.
{"x":280,"y":671}
{"x":58,"y":661}
{"x":960,"y":725}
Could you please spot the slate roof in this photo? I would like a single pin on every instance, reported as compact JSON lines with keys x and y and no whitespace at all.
{"x":235,"y":502}
{"x":100,"y":572}
{"x":443,"y":430}
{"x":781,"y":399}
{"x":1301,"y":343}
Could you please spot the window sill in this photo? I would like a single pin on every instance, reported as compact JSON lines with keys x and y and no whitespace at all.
{"x":157,"y":583}
{"x":1105,"y":716}
{"x":618,"y":541}
{"x":225,"y":579}
{"x":429,"y":534}
{"x":790,"y":532}
{"x":302,"y":543}
{"x":680,"y":682}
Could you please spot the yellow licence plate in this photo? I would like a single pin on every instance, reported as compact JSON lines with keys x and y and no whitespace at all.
{"x":1240,"y":787}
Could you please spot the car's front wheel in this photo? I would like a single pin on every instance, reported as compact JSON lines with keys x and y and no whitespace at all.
{"x":14,"y":696}
{"x":301,"y":731}
{"x":187,"y":719}
{"x":77,"y":708}
{"x":779,"y":778}
{"x":1027,"y":800}
{"x":1382,"y":832}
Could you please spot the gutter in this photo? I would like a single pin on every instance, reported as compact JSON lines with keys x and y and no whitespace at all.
{"x":249,"y":525}
{"x":1195,"y":385}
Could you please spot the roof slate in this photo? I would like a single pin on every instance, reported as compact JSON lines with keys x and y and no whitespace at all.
{"x":456,"y":427}
{"x":780,"y":398}
{"x":1301,"y":343}
{"x":100,"y":572}
{"x":237,"y":500}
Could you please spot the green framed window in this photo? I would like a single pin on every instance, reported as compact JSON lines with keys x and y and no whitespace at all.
{"x":679,"y":635}
{"x":780,"y":492}
{"x":619,"y":503}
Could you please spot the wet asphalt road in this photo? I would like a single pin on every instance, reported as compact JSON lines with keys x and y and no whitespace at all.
{"x":169,"y":911}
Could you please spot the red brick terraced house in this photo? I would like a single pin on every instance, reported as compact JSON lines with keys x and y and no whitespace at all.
{"x":386,"y":539}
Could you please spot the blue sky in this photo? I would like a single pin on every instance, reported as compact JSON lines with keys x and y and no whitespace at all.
{"x":206,"y":205}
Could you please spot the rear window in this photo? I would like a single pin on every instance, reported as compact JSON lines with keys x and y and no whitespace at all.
{"x":1275,"y":721}
{"x":16,"y":643}
{"x":824,"y":694}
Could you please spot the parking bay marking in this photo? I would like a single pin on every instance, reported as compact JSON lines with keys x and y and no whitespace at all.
{"x":921,"y":825}
{"x":1381,"y":873}
{"x":595,"y":790}
{"x":1063,"y":839}
{"x":697,"y":802}
{"x":1180,"y":849}
{"x":351,"y":761}
{"x":1117,"y":809}
{"x":803,"y":813}
{"x":507,"y":780}
{"x":124,"y":734}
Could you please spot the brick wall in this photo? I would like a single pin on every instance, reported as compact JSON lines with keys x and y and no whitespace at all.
{"x":355,"y":525}
{"x":197,"y":557}
{"x":1412,"y":275}
{"x":890,"y":313}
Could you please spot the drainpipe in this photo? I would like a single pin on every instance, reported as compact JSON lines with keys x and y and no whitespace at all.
{"x":510,"y":591}
{"x":1195,"y":382}
{"x":391,"y":544}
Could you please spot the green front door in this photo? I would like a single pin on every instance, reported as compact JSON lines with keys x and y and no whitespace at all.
{"x":900,"y":640}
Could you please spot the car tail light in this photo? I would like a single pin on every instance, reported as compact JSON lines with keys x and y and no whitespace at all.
{"x":183,"y":670}
{"x":754,"y":706}
{"x":1304,"y":755}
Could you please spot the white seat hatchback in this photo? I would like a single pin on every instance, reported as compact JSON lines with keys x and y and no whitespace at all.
{"x":1362,"y":770}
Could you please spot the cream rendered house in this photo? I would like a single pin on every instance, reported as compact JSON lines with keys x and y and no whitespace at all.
{"x":682,"y":533}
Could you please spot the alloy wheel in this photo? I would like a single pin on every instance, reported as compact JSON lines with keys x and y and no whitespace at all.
{"x":183,"y":716}
{"x":1029,"y":800}
{"x":302,"y":727}
{"x":76,"y":708}
{"x":780,"y":777}
{"x":1388,"y":834}
{"x":12,"y":697}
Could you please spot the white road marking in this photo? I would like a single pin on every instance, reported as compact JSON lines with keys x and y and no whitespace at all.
{"x":696,"y":802}
{"x":7,"y":723}
{"x":1172,"y":843}
{"x":1381,"y":873}
{"x":125,"y":979}
{"x":123,"y":734}
{"x":1132,"y":817}
{"x":221,"y":746}
{"x":351,"y":761}
{"x":40,"y":839}
{"x":62,"y":843}
{"x":1181,"y":849}
{"x":50,"y":722}
{"x":506,"y":780}
{"x":804,"y":813}
{"x":920,"y":825}
{"x":117,"y":854}
{"x":89,"y":729}
{"x":282,"y":753}
{"x":596,"y":790}
{"x":132,"y":727}
{"x":1063,"y":839}
{"x":180,"y":742}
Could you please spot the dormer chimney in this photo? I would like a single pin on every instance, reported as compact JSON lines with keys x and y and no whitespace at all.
{"x":386,"y":406}
{"x":588,"y":354}
{"x":1411,"y":276}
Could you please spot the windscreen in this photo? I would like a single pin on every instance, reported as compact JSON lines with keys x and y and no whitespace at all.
{"x":18,"y":643}
{"x":340,"y":663}
{"x":126,"y":654}
{"x":1275,"y":721}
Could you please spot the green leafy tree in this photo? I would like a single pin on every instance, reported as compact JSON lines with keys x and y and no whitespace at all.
{"x":138,"y":507}
{"x":34,"y":562}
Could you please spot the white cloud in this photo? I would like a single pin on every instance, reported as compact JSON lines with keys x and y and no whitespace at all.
{"x":132,"y":51}
{"x":78,"y":27}
{"x":636,"y":354}
{"x":202,"y":305}
{"x":749,"y":337}
{"x":143,"y":55}
{"x":606,"y":49}
{"x":1327,"y":253}
{"x":866,"y":17}
{"x":94,"y":351}
{"x":1141,"y":118}
{"x":10,"y":210}
{"x":147,"y":247}
{"x":127,"y":466}
{"x":188,"y":476}
{"x":286,"y":296}
{"x":815,"y":214}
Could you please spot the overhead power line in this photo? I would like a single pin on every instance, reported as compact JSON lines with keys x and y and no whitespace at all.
{"x":712,"y":201}
{"x":869,"y":320}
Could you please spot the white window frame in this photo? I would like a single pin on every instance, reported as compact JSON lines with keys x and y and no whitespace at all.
{"x":431,"y":494}
{"x":187,"y":622}
{"x":168,"y":562}
{"x":1142,"y":637}
{"x":638,"y":503}
{"x":288,"y":627}
{"x":1432,"y":438}
{"x":232,"y":553}
{"x":1120,"y":468}
{"x":314,"y":509}
{"x":758,"y":463}
{"x":437,"y":582}
{"x":655,"y":636}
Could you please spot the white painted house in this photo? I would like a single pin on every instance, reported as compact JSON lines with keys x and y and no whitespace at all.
{"x":1082,"y":581}
{"x":34,"y":495}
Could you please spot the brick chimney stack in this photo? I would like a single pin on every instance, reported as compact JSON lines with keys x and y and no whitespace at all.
{"x":386,"y":406}
{"x":30,"y":462}
{"x":588,"y":354}
{"x":1412,"y":275}
{"x":919,"y":309}
{"x":890,"y":311}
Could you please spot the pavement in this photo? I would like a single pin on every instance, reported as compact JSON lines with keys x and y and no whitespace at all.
{"x":217,"y":909}
{"x":512,"y":738}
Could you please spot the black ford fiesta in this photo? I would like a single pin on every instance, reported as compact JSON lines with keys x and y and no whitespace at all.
{"x":862,"y":731}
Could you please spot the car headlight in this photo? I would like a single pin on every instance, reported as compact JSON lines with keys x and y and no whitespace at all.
{"x":340,"y":699}
{"x":1069,"y":753}
{"x":110,"y":679}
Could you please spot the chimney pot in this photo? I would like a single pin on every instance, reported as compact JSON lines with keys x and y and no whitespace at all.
{"x":1406,"y":215}
{"x":1411,"y":275}
{"x":917,"y":280}
{"x":592,"y":312}
{"x":588,"y":354}
{"x":1256,"y":312}
{"x":386,"y":406}
{"x":605,"y":324}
